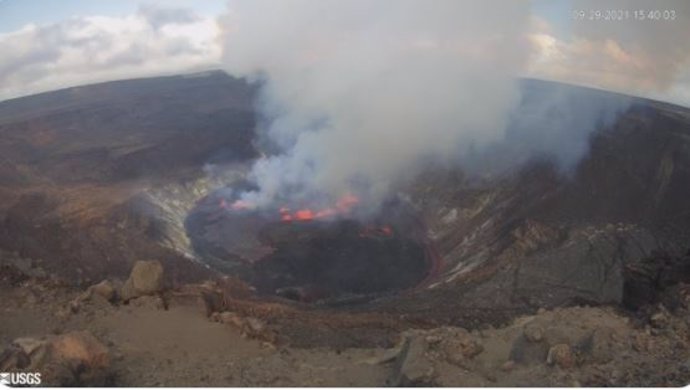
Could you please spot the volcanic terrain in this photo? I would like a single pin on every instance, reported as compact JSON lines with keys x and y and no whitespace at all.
{"x":533,"y":275}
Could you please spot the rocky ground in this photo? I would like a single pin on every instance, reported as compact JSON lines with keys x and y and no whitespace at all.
{"x":141,"y":332}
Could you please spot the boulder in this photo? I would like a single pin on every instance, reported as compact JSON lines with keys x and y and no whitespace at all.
{"x":654,"y":279}
{"x":146,"y":278}
{"x":599,"y":346}
{"x":561,"y":355}
{"x":71,"y":359}
{"x":13,"y":358}
{"x":81,"y":349}
{"x":104,"y":289}
{"x":212,"y":302}
{"x":524,"y":351}
{"x":459,"y":346}
{"x":533,"y":332}
{"x":412,"y":367}
{"x":28,"y":344}
{"x":187,"y":295}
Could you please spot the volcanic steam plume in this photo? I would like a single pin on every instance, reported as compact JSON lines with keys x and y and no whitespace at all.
{"x":357,"y":94}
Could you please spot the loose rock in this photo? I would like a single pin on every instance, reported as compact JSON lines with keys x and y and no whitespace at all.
{"x":533,"y":332}
{"x":72,"y":359}
{"x":104,"y":289}
{"x":212,"y":302}
{"x":598,"y":346}
{"x":562,"y":355}
{"x":528,"y":352}
{"x":412,"y":366}
{"x":460,"y":346}
{"x":146,"y":278}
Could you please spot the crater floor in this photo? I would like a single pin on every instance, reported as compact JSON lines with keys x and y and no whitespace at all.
{"x":312,"y":260}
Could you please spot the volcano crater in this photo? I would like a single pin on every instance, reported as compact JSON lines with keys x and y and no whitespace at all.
{"x":325,"y":261}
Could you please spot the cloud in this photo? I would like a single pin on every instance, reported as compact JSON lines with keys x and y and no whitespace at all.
{"x":159,"y":17}
{"x":639,"y":57}
{"x":91,"y":49}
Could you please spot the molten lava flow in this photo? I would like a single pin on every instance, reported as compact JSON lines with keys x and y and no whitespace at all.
{"x":304,"y":215}
{"x":342,"y":207}
{"x":285,"y":214}
{"x":241,"y":205}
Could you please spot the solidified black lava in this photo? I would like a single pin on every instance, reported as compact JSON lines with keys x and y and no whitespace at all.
{"x":316,"y":260}
{"x":653,"y":280}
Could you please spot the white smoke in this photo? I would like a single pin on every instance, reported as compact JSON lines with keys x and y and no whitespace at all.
{"x":357,"y":93}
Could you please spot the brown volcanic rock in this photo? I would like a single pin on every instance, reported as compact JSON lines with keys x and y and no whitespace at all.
{"x":146,"y":278}
{"x":75,"y":161}
{"x":561,"y":355}
{"x":71,"y":359}
{"x":104,"y":289}
{"x":81,"y":348}
{"x":412,"y":367}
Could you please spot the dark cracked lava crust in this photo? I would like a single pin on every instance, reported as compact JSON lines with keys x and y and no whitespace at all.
{"x":314,"y":260}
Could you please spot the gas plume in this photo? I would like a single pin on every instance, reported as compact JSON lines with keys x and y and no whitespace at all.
{"x":358,"y":95}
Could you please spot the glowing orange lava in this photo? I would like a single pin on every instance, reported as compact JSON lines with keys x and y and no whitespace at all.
{"x":342,"y":206}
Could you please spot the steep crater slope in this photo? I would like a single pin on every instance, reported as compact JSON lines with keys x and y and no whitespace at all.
{"x":545,"y":237}
{"x":96,"y":177}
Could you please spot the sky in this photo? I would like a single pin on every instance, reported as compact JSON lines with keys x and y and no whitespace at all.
{"x":48,"y":45}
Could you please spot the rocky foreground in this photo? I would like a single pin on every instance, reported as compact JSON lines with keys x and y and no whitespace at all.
{"x":141,"y":332}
